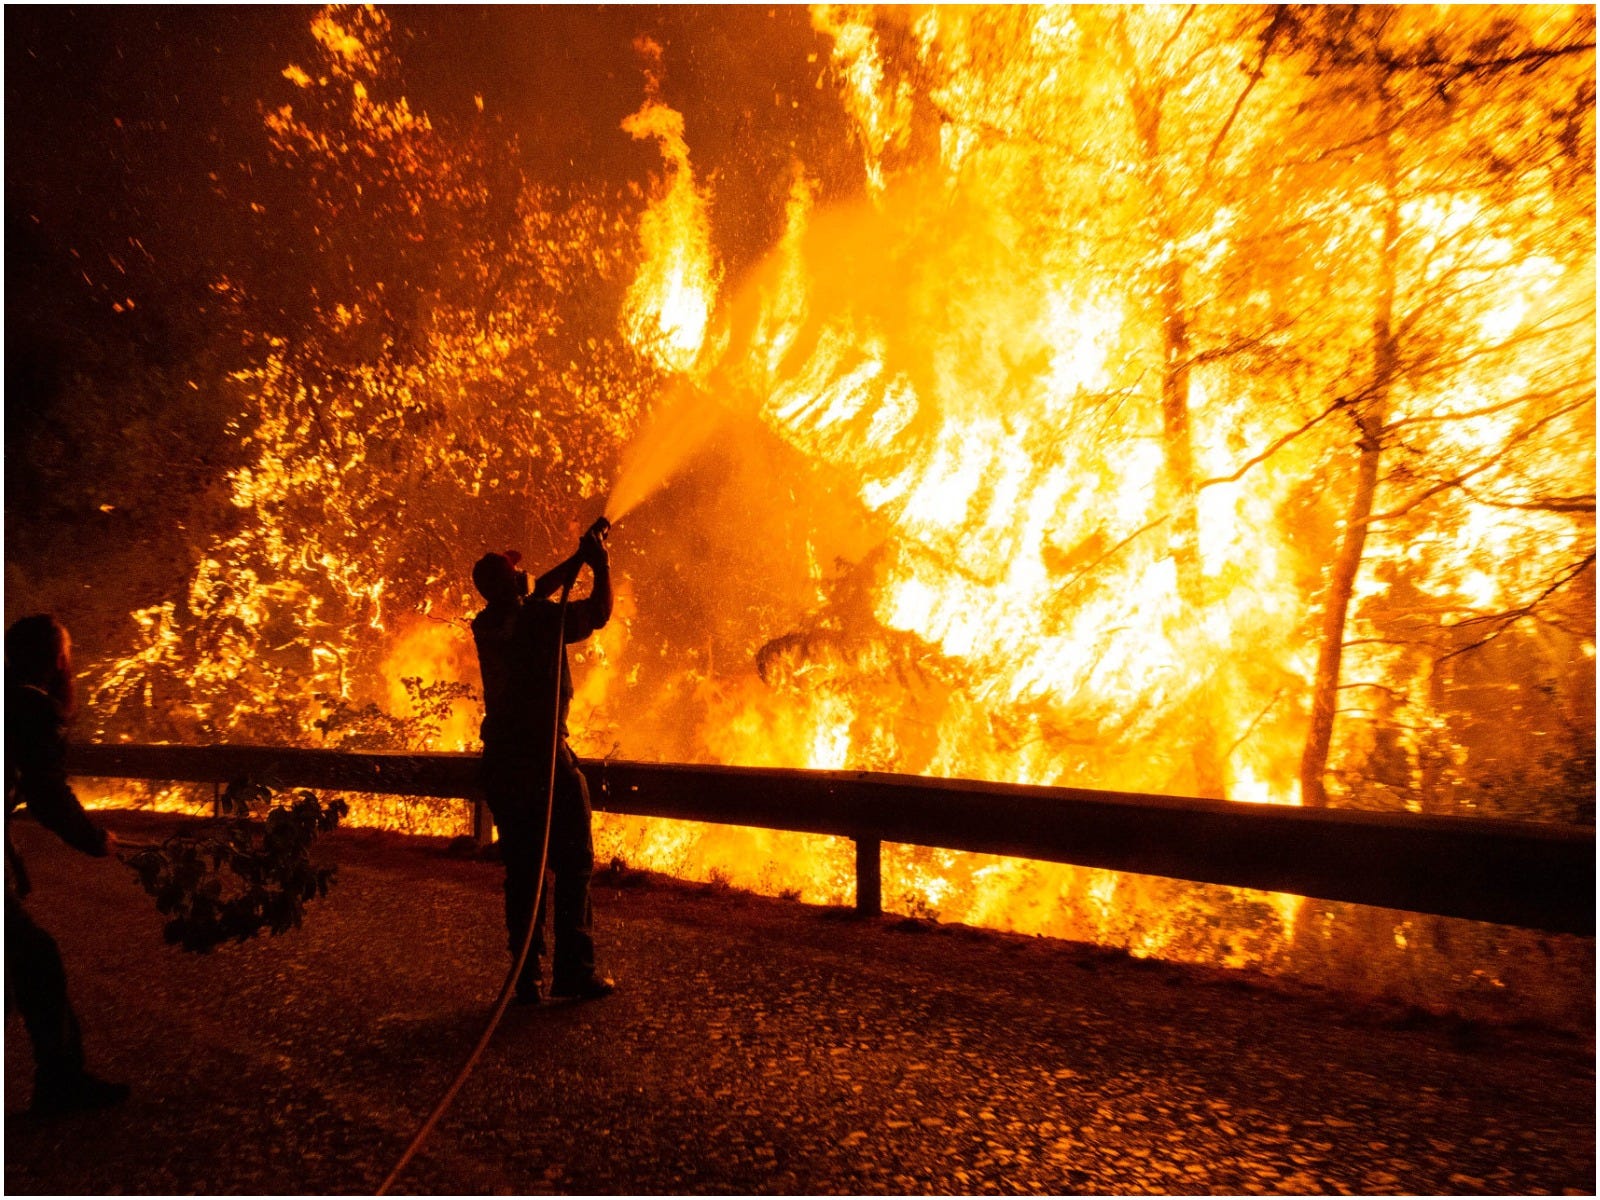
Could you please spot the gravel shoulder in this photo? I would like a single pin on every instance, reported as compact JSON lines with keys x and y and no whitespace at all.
{"x":755,"y":1046}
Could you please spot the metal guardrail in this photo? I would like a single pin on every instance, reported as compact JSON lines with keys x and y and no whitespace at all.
{"x":1508,"y":872}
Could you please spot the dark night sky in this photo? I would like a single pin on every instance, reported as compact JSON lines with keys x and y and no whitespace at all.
{"x":117,"y":118}
{"x":134,"y":139}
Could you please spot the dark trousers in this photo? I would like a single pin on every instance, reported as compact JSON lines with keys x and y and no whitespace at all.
{"x":515,"y":788}
{"x":37,"y":984}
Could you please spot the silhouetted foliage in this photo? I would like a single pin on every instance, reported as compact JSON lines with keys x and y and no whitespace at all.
{"x":248,"y":871}
{"x":347,"y":726}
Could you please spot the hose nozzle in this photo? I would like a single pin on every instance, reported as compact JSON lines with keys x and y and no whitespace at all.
{"x":601,"y":528}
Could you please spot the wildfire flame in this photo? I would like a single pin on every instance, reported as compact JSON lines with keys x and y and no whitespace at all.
{"x":670,"y":302}
{"x":1064,"y":424}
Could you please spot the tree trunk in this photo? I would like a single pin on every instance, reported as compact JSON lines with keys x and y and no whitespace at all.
{"x":1179,"y":497}
{"x":1177,"y":440}
{"x":1370,"y":419}
{"x":1182,"y":503}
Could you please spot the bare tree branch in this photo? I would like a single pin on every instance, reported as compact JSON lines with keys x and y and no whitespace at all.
{"x":1275,"y":446}
{"x":1529,"y":60}
{"x":1237,"y":346}
{"x":1177,"y":31}
{"x":1143,"y":529}
{"x":1505,"y":620}
{"x":1457,"y":481}
{"x":1250,"y":728}
{"x":1556,"y":504}
{"x":1486,"y":410}
{"x":1582,"y":319}
{"x":1393,"y":693}
{"x":1279,"y":19}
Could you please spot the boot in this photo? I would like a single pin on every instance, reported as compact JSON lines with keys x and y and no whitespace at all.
{"x":82,"y":1092}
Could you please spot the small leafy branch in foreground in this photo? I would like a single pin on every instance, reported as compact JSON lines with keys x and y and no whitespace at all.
{"x":248,"y":871}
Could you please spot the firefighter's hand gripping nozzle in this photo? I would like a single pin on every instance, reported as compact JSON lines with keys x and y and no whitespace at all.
{"x":592,"y":546}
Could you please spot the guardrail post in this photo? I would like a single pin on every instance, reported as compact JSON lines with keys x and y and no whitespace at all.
{"x":869,"y":877}
{"x":482,"y":823}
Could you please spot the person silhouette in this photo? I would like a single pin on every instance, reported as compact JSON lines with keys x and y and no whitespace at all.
{"x":39,"y":702}
{"x":519,"y":658}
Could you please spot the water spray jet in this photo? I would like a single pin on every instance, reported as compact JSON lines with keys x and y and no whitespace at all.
{"x":686,"y":418}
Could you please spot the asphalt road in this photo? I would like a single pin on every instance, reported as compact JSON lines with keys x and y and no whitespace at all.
{"x":753,"y":1046}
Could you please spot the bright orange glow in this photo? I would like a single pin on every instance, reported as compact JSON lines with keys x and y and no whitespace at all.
{"x":669,"y":305}
{"x":1023,"y":459}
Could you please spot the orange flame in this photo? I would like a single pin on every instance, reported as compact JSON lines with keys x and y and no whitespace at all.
{"x":967,"y":362}
{"x":669,"y":305}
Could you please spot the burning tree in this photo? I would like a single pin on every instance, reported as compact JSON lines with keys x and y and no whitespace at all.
{"x":1471,"y":400}
{"x":439,"y":377}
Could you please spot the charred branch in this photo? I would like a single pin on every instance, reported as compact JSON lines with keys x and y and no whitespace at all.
{"x":1527,"y":61}
{"x":1276,"y":26}
{"x":1502,"y":621}
{"x":1437,"y":364}
{"x":1275,"y":446}
{"x":1487,"y":410}
{"x":1395,"y":694}
{"x":1552,"y":504}
{"x":1458,"y":480}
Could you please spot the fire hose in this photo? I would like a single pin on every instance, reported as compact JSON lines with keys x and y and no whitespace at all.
{"x":503,"y":1001}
